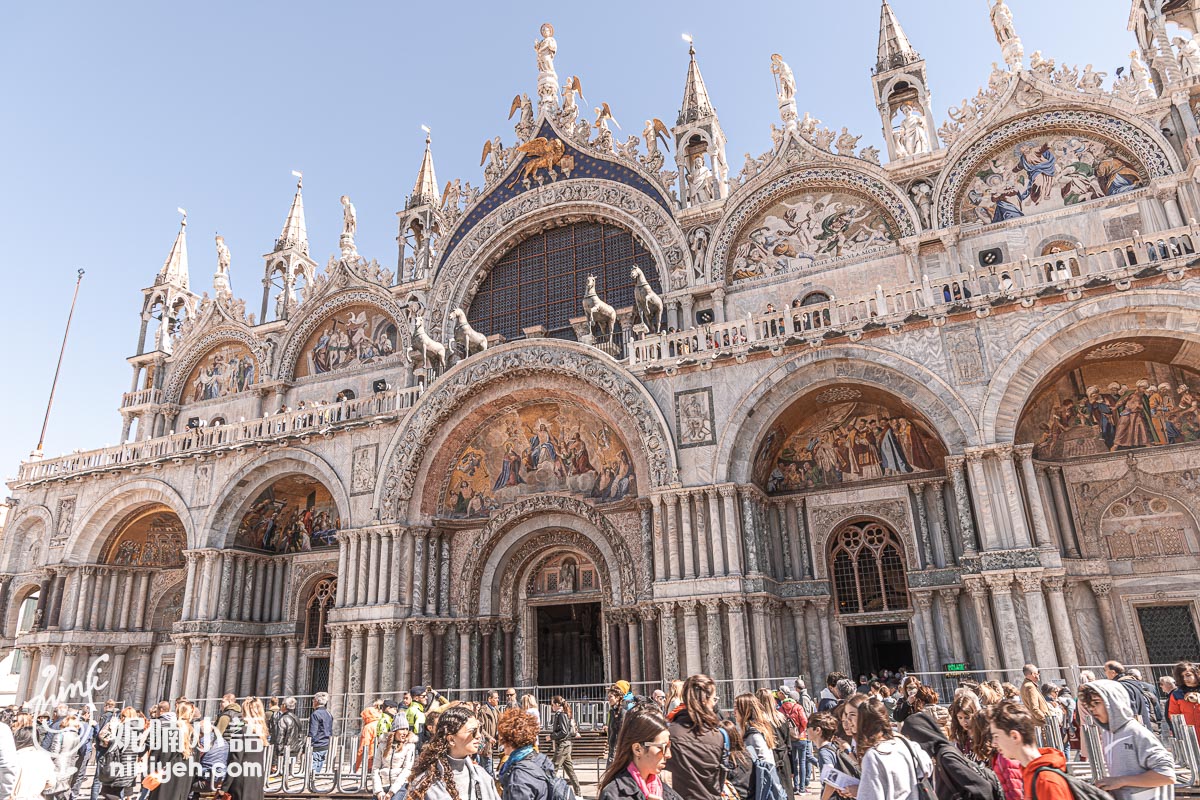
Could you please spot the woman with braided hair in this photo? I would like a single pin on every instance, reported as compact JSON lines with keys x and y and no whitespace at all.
{"x":445,"y":769}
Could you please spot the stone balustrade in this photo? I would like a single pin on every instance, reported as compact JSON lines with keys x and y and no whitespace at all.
{"x":1083,"y":267}
{"x":303,"y":421}
{"x":142,"y":397}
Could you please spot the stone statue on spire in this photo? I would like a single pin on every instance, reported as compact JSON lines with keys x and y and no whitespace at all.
{"x":546,"y":48}
{"x":1006,"y":35}
{"x":221,"y":278}
{"x":785,"y":89}
{"x":349,"y":217}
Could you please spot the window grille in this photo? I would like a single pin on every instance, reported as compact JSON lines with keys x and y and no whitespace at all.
{"x":1169,"y":633}
{"x":316,"y":625}
{"x":868,"y":569}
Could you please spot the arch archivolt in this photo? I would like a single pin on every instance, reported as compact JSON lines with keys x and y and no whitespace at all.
{"x":163,"y":585}
{"x":16,"y":597}
{"x":104,"y":516}
{"x":1130,"y":134}
{"x":24,"y":541}
{"x":240,"y":489}
{"x":303,"y":327}
{"x":506,"y":546}
{"x":201,"y":347}
{"x":576,"y":369}
{"x":851,"y":175}
{"x":529,"y":556}
{"x":460,"y":275}
{"x":1171,"y":314}
{"x":772,"y":394}
{"x":1102,"y":495}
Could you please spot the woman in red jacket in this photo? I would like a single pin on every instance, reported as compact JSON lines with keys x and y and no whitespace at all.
{"x":1007,"y":770}
{"x":1185,"y":700}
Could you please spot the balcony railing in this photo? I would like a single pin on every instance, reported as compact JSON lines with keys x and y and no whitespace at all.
{"x":141,"y":397}
{"x":314,"y":419}
{"x":1083,"y":267}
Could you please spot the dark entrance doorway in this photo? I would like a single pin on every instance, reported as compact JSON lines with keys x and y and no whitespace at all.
{"x":878,"y":647}
{"x":569,"y":649}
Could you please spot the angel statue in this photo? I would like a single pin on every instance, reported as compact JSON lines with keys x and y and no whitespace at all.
{"x":451,"y":196}
{"x":495,"y":167}
{"x":604,"y":138}
{"x":349,"y":217}
{"x":569,"y":90}
{"x":524,"y":126}
{"x":654,"y":130}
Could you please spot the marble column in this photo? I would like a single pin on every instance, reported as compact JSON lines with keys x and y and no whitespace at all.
{"x":418,"y":580}
{"x":432,"y":568}
{"x":1102,"y":588}
{"x":337,"y":673}
{"x":924,"y":603}
{"x":687,"y":535}
{"x":226,"y":591}
{"x":1060,"y":620}
{"x":141,"y":674}
{"x":177,"y":673}
{"x":739,"y":666}
{"x":84,"y":609}
{"x":700,"y":534}
{"x":439,"y":629}
{"x":487,"y":627}
{"x":950,"y":606}
{"x":977,"y":589}
{"x":800,"y":637}
{"x":1000,"y":585}
{"x":216,"y":663}
{"x":715,"y":531}
{"x":194,"y":668}
{"x":465,"y":629}
{"x":416,"y":630}
{"x":761,"y":633}
{"x":249,"y":667}
{"x":636,"y":661}
{"x":750,"y":530}
{"x":243,"y":586}
{"x":509,"y":627}
{"x":674,"y":567}
{"x":670,"y":644}
{"x":955,"y":465}
{"x":780,"y":509}
{"x":714,"y":665}
{"x":1062,"y":510}
{"x":657,"y":539}
{"x":1014,"y":504}
{"x":189,"y":585}
{"x":374,"y":572}
{"x":1033,"y":491}
{"x":386,"y":681}
{"x":371,"y":661}
{"x":362,"y":581}
{"x":396,"y":569}
{"x":444,"y":578}
{"x":233,"y":668}
{"x":985,"y":504}
{"x":1039,"y":620}
{"x":732,"y":531}
{"x":935,"y":498}
{"x":798,"y":538}
{"x":691,"y":634}
{"x":821,"y":604}
{"x":918,"y":493}
{"x":354,"y":670}
{"x":342,"y":571}
{"x":650,"y":643}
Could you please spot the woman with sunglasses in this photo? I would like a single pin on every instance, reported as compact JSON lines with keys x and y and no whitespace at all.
{"x":640,"y":755}
{"x":445,"y":767}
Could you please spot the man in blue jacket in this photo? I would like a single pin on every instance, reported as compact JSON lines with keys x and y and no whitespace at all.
{"x":320,"y":731}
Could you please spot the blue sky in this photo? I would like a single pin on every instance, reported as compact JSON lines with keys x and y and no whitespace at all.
{"x":117,"y":113}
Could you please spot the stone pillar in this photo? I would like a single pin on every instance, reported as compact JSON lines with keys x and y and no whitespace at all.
{"x":780,"y":510}
{"x":243,"y":568}
{"x":444,"y":578}
{"x":989,"y":538}
{"x":337,"y":672}
{"x":716,"y":536}
{"x":342,"y":573}
{"x":687,"y":534}
{"x":700,"y":534}
{"x":739,"y":663}
{"x":465,"y":629}
{"x":950,"y":605}
{"x":418,"y":579}
{"x":650,"y":643}
{"x":509,"y":627}
{"x":371,"y":661}
{"x":750,"y":531}
{"x":28,"y":654}
{"x":141,"y":674}
{"x":800,"y":636}
{"x":962,"y":503}
{"x":439,"y":653}
{"x":1060,"y":620}
{"x":661,"y":549}
{"x":177,"y":672}
{"x":431,"y":573}
{"x":487,"y":627}
{"x":761,"y":633}
{"x":1102,"y":588}
{"x":670,"y":645}
{"x":1014,"y":503}
{"x":714,"y":657}
{"x":732,"y":532}
{"x":84,"y":608}
{"x":354,"y":670}
{"x":1037,"y":509}
{"x":821,"y":604}
{"x":1000,"y":584}
{"x":691,"y":636}
{"x":636,"y":661}
{"x":394,"y":580}
{"x":918,"y":493}
{"x":216,"y":663}
{"x":362,"y":567}
{"x":233,"y":668}
{"x":1062,"y":509}
{"x":189,"y":586}
{"x":924,"y":603}
{"x":191,"y":687}
{"x":674,"y":568}
{"x":798,"y":537}
{"x":375,"y":547}
{"x":1039,"y":620}
{"x":225,"y":592}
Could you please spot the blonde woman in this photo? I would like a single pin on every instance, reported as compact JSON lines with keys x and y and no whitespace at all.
{"x":758,"y":730}
{"x":674,"y":696}
{"x":530,"y":704}
{"x":173,"y":745}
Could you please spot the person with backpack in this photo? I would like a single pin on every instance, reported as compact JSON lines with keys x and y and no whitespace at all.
{"x":758,"y":731}
{"x":956,"y":777}
{"x":563,"y":732}
{"x":696,"y":766}
{"x":984,"y":751}
{"x":1115,"y":671}
{"x":832,"y":751}
{"x":893,"y":768}
{"x":640,"y":755}
{"x":116,"y":763}
{"x":1139,"y":766}
{"x":782,"y":750}
{"x":798,"y":744}
{"x":1014,"y":735}
{"x":526,"y":774}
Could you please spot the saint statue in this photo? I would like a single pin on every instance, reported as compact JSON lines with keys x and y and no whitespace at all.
{"x":700,"y":182}
{"x":546,"y":48}
{"x":349,"y":217}
{"x":222,"y":256}
{"x":913,"y":136}
{"x":1189,"y":56}
{"x":1002,"y":22}
{"x":1137,"y":68}
{"x":785,"y":81}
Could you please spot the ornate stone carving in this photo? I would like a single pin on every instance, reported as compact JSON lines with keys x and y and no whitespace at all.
{"x":377,"y":297}
{"x":66,"y":521}
{"x":895,"y":512}
{"x":362,"y":469}
{"x":505,"y":364}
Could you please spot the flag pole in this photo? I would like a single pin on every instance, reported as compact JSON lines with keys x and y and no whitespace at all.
{"x":37,"y":454}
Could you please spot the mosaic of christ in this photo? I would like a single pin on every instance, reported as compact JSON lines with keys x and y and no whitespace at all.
{"x":225,"y":370}
{"x":845,"y":435}
{"x":541,"y":447}
{"x":359,"y":335}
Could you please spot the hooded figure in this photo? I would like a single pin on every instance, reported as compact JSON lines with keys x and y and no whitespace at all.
{"x":954,"y":776}
{"x":1129,"y":747}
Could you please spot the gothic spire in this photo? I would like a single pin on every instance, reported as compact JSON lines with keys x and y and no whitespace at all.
{"x":175,"y":269}
{"x":696,"y":104}
{"x":894,"y":48}
{"x":295,"y":232}
{"x":425,"y":191}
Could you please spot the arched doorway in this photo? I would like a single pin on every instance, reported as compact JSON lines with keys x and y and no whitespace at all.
{"x":563,"y":595}
{"x":870,"y":584}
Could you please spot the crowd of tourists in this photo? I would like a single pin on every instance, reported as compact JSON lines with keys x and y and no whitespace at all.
{"x":885,"y":737}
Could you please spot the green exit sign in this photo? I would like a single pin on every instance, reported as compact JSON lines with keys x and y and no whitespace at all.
{"x":957,"y":667}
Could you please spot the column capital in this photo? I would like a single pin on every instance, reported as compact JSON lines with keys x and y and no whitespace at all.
{"x":337,"y":634}
{"x":219,"y":640}
{"x":1101,"y":586}
{"x":759,"y":603}
{"x":821,"y":603}
{"x":1030,"y":581}
{"x":917,"y":487}
{"x":419,"y":627}
{"x":143,"y":650}
{"x":465,"y":626}
{"x":487,"y":626}
{"x":975,"y":456}
{"x":950,"y":593}
{"x":999,"y":581}
{"x":955,"y":462}
{"x":712,"y":605}
{"x":736,"y":604}
{"x":796,"y":604}
{"x":440,"y":627}
{"x":922,"y":600}
{"x":648,"y":612}
{"x":1054,"y":583}
{"x":1025,"y":451}
{"x":975,"y":586}
{"x":727,"y":490}
{"x":508,"y":625}
{"x":690,"y":607}
{"x":121,"y":650}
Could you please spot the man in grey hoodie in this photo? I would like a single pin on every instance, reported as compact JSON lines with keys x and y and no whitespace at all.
{"x":1139,"y":767}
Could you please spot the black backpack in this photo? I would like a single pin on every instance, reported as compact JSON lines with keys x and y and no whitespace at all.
{"x":996,"y":791}
{"x":1080,"y":790}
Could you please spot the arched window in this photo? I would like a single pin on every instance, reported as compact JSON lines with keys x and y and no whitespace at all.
{"x":316,"y":620}
{"x":814,"y":299}
{"x":542,"y":280}
{"x":868,"y":569}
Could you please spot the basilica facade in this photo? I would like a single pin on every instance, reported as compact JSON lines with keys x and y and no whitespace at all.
{"x":635,"y":409}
